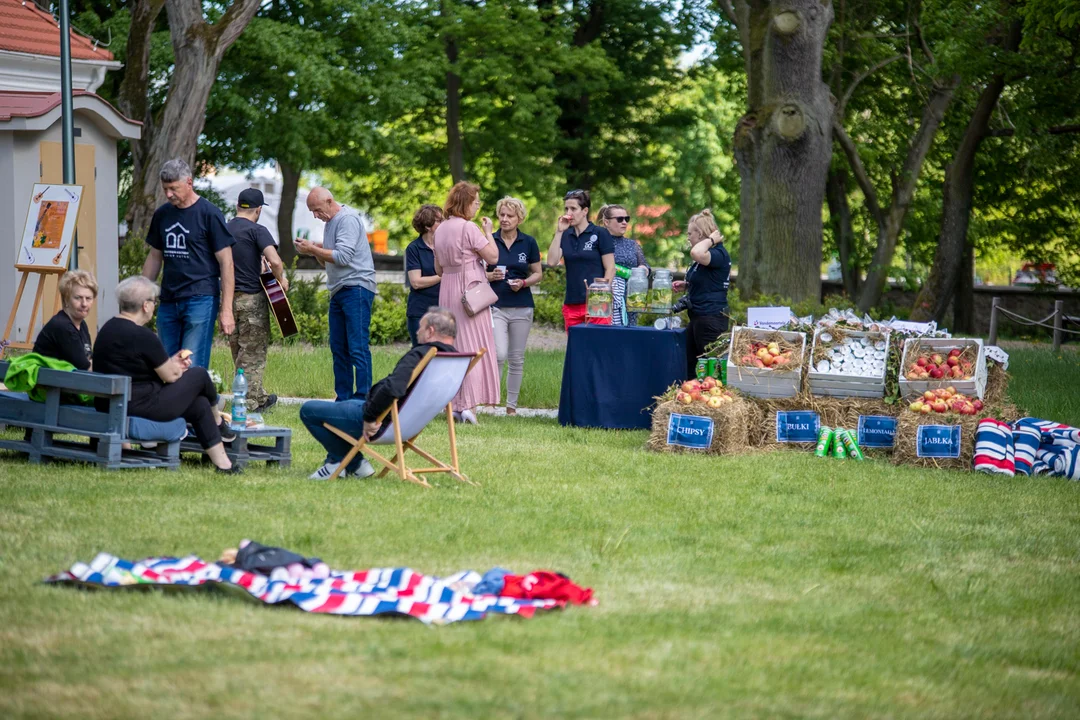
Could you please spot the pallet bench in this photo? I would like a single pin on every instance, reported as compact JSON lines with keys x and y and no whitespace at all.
{"x":51,"y":423}
{"x":252,"y":446}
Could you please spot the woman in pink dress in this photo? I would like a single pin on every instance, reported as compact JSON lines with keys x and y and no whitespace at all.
{"x":461,"y":250}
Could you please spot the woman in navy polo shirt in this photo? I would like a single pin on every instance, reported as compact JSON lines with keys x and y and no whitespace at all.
{"x":587,"y":250}
{"x":420,"y":267}
{"x":706,"y":286}
{"x":512,"y":315}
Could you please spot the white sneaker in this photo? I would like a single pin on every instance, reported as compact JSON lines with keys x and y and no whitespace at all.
{"x":325,"y":472}
{"x":365,"y":470}
{"x":468,"y":416}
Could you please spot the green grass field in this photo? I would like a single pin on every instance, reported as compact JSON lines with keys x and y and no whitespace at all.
{"x":774,"y":585}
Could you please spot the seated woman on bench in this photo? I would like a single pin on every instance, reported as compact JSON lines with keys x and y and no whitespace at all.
{"x":163,"y":388}
{"x":66,"y":337}
{"x":358,"y":417}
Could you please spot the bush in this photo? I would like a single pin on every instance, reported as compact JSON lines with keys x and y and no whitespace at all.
{"x":388,"y":322}
{"x":132,"y":256}
{"x":549,"y":301}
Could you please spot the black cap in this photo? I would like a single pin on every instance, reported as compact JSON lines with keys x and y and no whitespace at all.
{"x":250,"y":198}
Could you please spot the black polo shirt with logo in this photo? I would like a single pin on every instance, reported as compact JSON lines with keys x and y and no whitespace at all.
{"x":582,"y":253}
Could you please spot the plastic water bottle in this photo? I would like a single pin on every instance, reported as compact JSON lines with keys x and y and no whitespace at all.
{"x":239,"y":400}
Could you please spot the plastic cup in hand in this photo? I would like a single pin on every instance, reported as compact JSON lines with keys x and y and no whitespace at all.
{"x":501,"y":269}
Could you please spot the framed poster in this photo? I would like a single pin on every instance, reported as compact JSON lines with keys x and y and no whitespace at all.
{"x":49,"y":232}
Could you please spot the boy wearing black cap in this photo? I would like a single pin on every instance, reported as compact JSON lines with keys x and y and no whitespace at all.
{"x":250,"y":307}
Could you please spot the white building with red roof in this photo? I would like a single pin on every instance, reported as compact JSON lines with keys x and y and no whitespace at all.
{"x":30,"y":150}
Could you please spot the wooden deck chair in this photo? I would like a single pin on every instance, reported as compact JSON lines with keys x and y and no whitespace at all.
{"x":433,"y":384}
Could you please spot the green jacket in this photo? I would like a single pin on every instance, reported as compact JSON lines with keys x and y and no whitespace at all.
{"x":23,"y":371}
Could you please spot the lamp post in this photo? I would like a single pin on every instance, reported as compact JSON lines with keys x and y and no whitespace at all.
{"x":67,"y":119}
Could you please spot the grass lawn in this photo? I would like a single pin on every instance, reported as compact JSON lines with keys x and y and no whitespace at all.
{"x":772,"y":585}
{"x":299,"y":371}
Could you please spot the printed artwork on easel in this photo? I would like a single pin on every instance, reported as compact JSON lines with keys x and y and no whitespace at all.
{"x":50,"y":226}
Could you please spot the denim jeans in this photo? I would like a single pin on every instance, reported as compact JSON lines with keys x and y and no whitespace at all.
{"x":350,"y":323}
{"x":345,"y":415}
{"x":188,"y":324}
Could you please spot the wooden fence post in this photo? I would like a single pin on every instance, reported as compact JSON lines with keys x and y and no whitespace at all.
{"x":1059,"y":317}
{"x":994,"y":320}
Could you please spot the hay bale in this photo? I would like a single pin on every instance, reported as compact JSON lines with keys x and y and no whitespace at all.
{"x":834,"y":412}
{"x":997,"y":384}
{"x":730,"y":433}
{"x":907,"y":428}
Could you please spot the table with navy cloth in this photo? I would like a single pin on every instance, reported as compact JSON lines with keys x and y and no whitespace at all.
{"x":611,"y":374}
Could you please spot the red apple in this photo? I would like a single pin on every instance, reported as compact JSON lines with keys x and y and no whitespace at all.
{"x":922,"y":362}
{"x":936,"y":359}
{"x":926,"y":409}
{"x":977,"y":404}
{"x":936,"y":373}
{"x":687,"y":386}
{"x":940,"y":406}
{"x":953,"y":360}
{"x":746,"y":360}
{"x":684,"y":398}
{"x":954,"y":352}
{"x":696,"y":395}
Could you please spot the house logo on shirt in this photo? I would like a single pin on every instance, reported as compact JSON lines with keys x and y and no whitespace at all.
{"x":176,"y":240}
{"x":591,"y":243}
{"x":522,"y":257}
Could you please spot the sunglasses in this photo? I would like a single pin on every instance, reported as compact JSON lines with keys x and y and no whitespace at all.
{"x":574,"y":194}
{"x":620,"y":218}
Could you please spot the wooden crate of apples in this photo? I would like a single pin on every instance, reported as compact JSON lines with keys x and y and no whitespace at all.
{"x":708,"y":392}
{"x":939,"y":363}
{"x":766,"y":363}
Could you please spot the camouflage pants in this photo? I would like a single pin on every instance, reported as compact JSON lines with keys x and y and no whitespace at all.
{"x":249,"y":342}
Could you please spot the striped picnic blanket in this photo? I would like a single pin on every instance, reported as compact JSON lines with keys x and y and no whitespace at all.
{"x":379,"y":591}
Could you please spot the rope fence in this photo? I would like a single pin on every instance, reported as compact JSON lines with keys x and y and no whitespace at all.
{"x":1058,"y":317}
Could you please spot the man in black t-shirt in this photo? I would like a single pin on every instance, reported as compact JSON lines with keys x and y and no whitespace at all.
{"x":250,"y":307}
{"x":187,"y":236}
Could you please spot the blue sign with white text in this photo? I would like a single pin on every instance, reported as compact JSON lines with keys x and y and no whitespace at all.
{"x":877,"y":431}
{"x":799,"y":426}
{"x":690,"y":431}
{"x":938,"y":441}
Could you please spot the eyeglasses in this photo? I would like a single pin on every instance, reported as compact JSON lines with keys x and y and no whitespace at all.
{"x":620,"y":218}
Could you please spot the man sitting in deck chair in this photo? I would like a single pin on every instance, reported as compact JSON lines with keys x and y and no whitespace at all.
{"x":359,"y":417}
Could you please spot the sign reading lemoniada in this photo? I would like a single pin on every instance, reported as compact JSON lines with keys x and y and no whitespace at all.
{"x":49,"y":232}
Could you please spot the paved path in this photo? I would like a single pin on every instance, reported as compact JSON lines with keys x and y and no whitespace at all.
{"x":483,"y":410}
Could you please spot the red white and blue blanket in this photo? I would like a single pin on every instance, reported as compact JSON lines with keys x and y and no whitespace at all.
{"x":379,"y":591}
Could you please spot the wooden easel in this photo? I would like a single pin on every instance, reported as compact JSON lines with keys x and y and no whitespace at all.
{"x":39,"y":296}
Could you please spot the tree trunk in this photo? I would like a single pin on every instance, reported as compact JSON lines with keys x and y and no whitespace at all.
{"x":132,"y":98}
{"x":840,"y":214}
{"x":290,"y":184}
{"x":453,"y":114}
{"x":198,"y":48}
{"x":903,"y":191}
{"x":783,"y":146}
{"x":937,"y":293}
{"x":964,"y":297}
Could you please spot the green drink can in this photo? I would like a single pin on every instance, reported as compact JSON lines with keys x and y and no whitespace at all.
{"x":710,"y":369}
{"x":850,"y":445}
{"x":838,"y":450}
{"x":824,"y":440}
{"x":722,"y":362}
{"x":702,"y":368}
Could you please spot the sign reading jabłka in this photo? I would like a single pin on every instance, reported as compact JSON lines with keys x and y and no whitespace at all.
{"x":800,"y":426}
{"x":690,"y":431}
{"x":938,"y":441}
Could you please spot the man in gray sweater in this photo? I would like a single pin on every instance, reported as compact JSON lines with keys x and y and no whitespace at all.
{"x":350,"y":278}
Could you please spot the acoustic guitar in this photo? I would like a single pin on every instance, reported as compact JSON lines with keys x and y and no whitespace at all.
{"x":56,"y":260}
{"x":279,"y":302}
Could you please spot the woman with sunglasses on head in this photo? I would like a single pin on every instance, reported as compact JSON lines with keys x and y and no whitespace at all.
{"x":706,"y":287}
{"x":587,"y":250}
{"x":628,"y":254}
